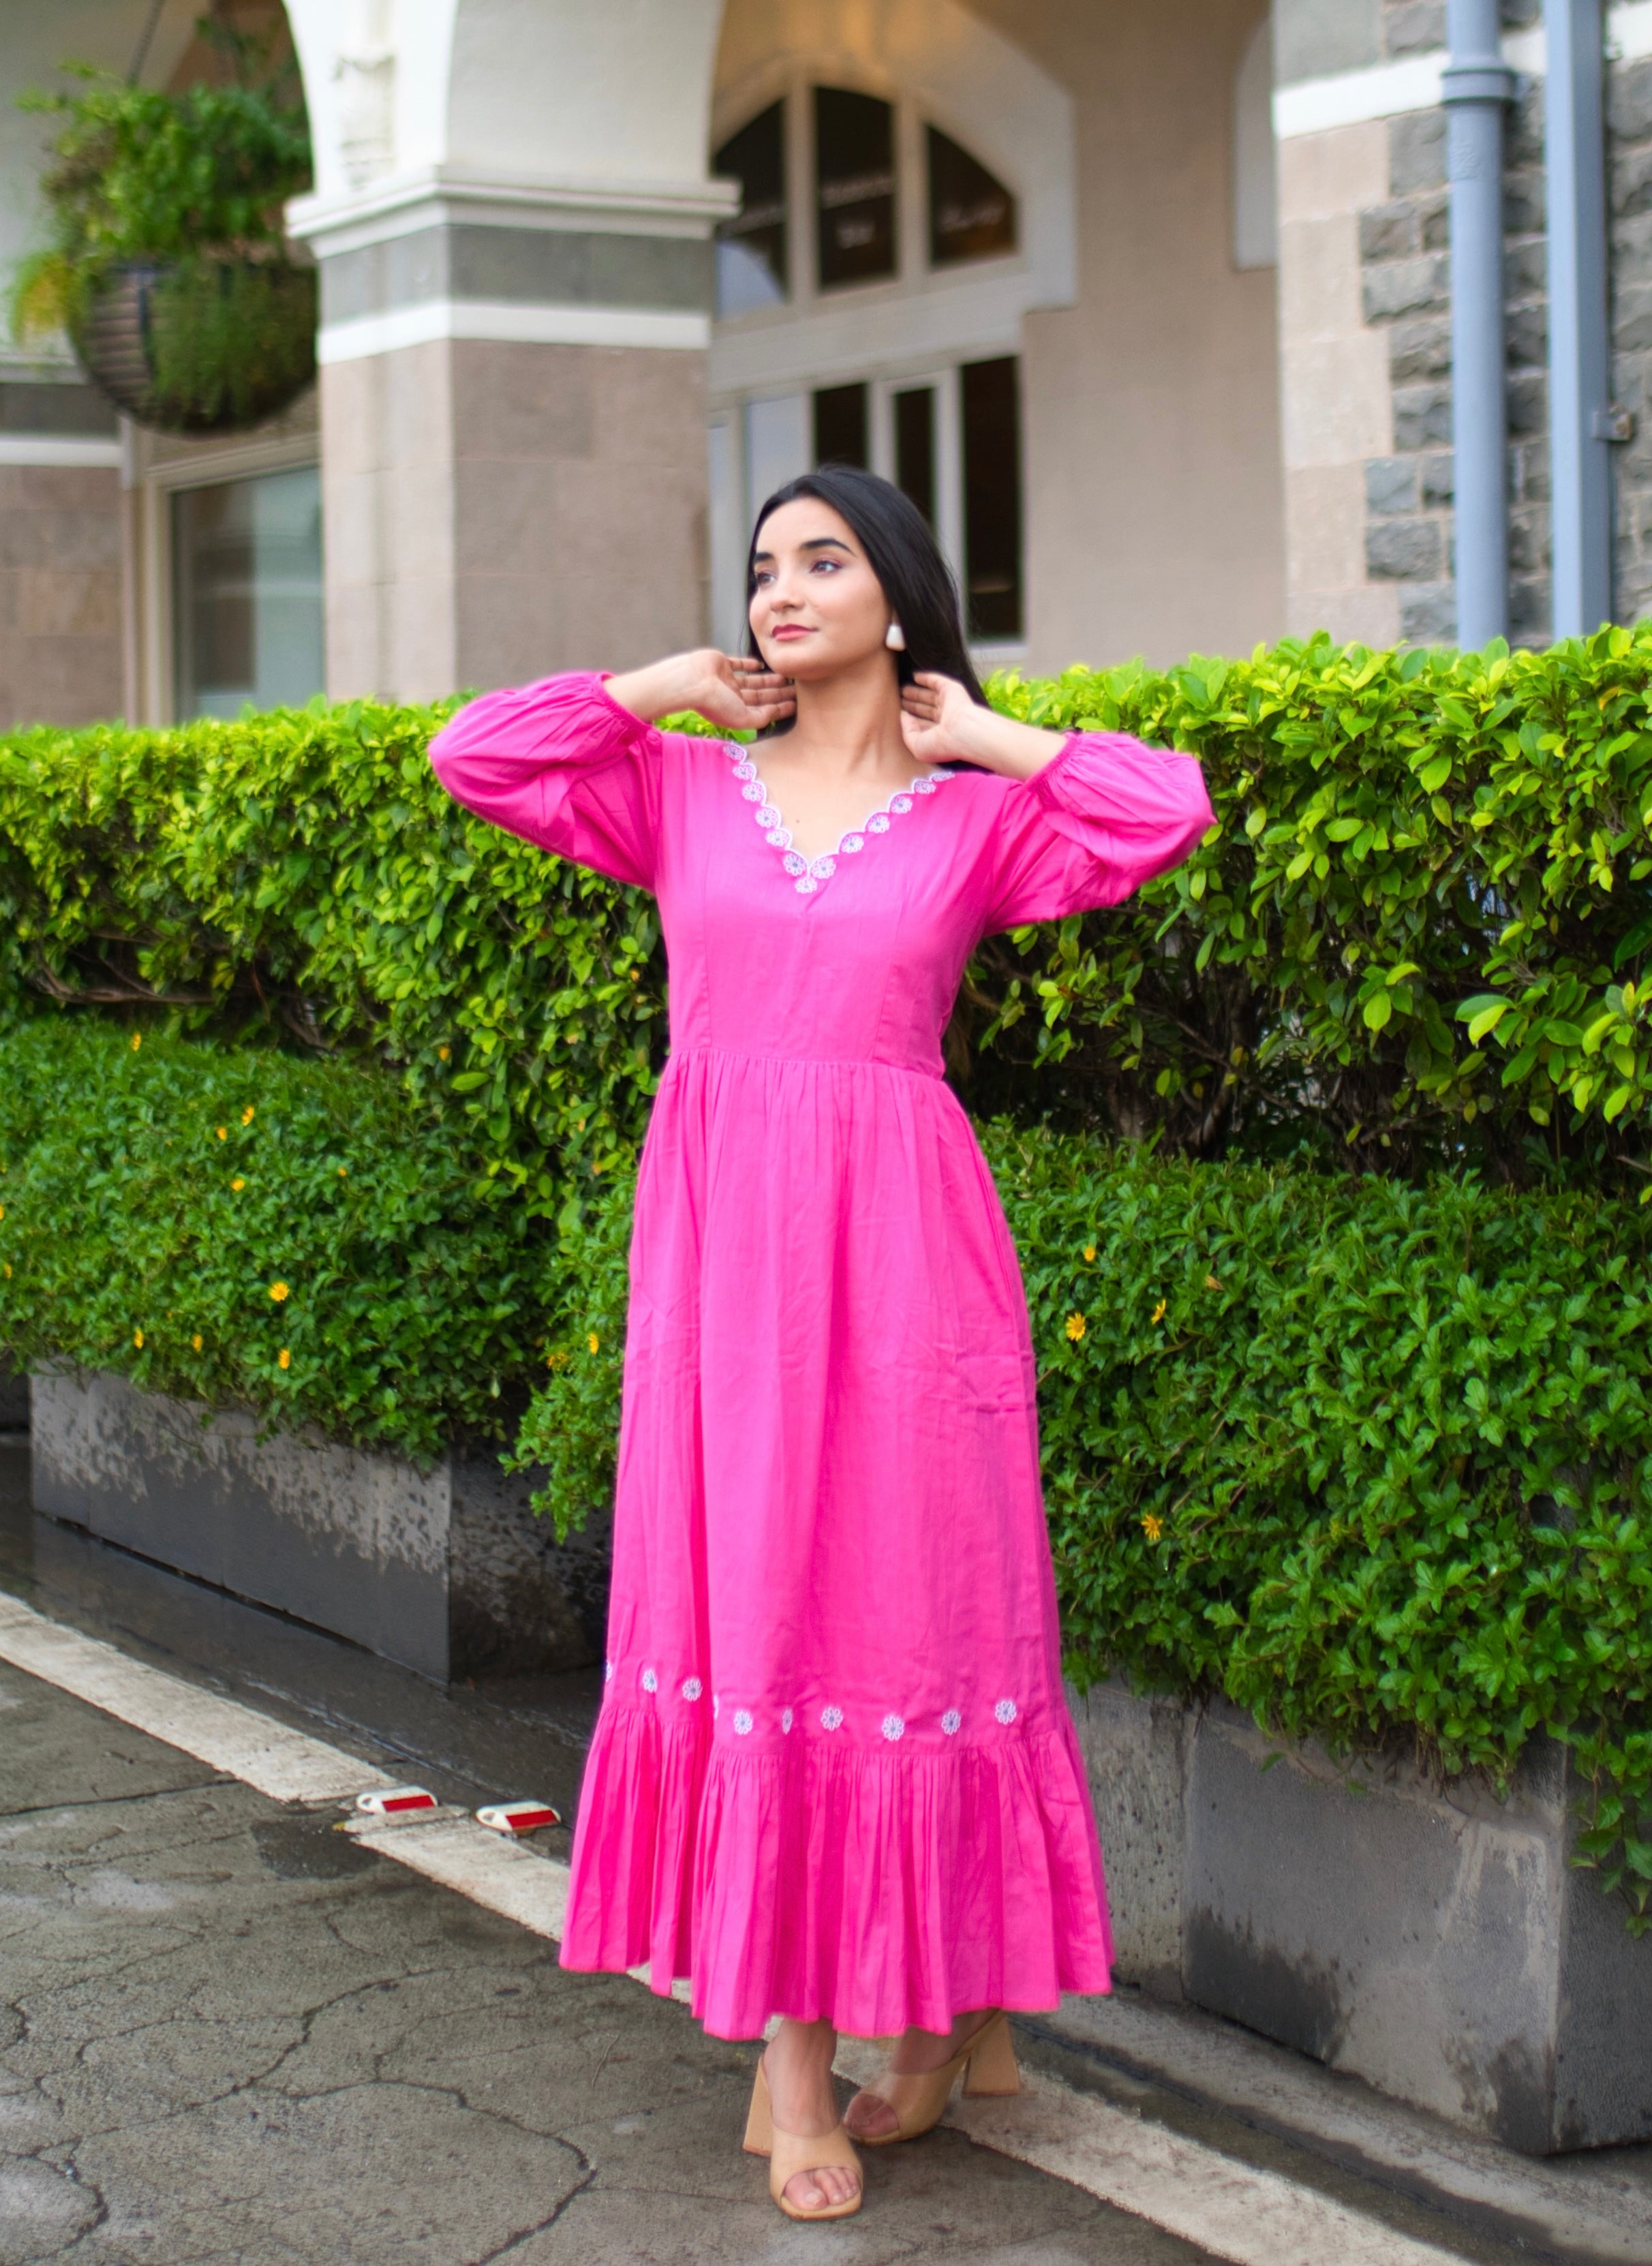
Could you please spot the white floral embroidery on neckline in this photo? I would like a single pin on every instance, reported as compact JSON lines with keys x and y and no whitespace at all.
{"x":807,"y":874}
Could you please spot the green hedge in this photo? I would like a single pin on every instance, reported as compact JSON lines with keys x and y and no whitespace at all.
{"x":234,"y":1227}
{"x":1417,"y":939}
{"x":1374,"y":1460}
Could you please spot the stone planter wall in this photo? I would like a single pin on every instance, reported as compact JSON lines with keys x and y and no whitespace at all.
{"x":1435,"y":1942}
{"x":447,"y":1571}
{"x":14,"y":1401}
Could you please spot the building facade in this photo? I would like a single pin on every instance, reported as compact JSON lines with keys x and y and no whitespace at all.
{"x":1151,"y":311}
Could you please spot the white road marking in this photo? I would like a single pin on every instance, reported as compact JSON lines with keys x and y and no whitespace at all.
{"x":1222,"y":2205}
{"x":502,"y":1875}
{"x":285,"y":1764}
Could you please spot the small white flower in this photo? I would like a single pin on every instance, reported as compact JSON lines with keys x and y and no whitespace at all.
{"x":693,"y":1688}
{"x":823,"y":868}
{"x":893,"y":1727}
{"x":742,"y":1721}
{"x":830,"y":1718}
{"x":746,"y":769}
{"x":877,"y":824}
{"x":1005,"y":1711}
{"x":780,"y":839}
{"x":717,"y":1704}
{"x":795,"y":862}
{"x":851,"y":842}
{"x":807,"y":885}
{"x":952,"y":1722}
{"x":786,"y":1718}
{"x":608,"y":1671}
{"x":924,"y":787}
{"x":650,"y":1681}
{"x":899,"y":804}
{"x":768,"y":815}
{"x":753,"y":790}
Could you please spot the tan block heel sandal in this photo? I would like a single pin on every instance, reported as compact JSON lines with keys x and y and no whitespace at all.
{"x":791,"y":2152}
{"x":986,"y":2062}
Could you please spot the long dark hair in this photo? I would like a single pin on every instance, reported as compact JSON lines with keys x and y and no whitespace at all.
{"x":904,"y":556}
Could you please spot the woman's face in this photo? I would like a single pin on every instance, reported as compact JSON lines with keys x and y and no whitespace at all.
{"x":818,"y":607}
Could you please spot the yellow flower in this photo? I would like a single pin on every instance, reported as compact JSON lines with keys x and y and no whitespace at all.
{"x":238,"y":1185}
{"x":283,"y":1359}
{"x":1076,"y":1327}
{"x":1210,"y":1282}
{"x":1089,"y":1254}
{"x":2,"y":1212}
{"x":278,"y":1291}
{"x":223,"y":1132}
{"x":344,"y":1172}
{"x":556,"y":1361}
{"x":1152,"y":1525}
{"x":593,"y":1341}
{"x":443,"y":1053}
{"x":137,"y":1040}
{"x":247,"y":1115}
{"x":1159,"y":1311}
{"x":137,"y":1340}
{"x":8,"y":1268}
{"x":197,"y":1342}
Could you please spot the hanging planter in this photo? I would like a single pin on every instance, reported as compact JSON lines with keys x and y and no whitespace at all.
{"x":208,"y":346}
{"x":167,"y":269}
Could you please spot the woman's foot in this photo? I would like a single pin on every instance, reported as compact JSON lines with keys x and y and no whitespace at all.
{"x":869,"y":2115}
{"x":799,"y":2066}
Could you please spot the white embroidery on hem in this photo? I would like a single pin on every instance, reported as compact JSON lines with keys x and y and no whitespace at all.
{"x":808,"y":873}
{"x":742,"y":1721}
{"x":830,"y":1718}
{"x":893,"y":1727}
{"x":650,"y":1681}
{"x":693,"y":1688}
{"x":951,"y":1721}
{"x":1005,"y":1711}
{"x":786,"y":1718}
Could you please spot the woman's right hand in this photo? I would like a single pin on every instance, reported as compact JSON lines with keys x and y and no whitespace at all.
{"x":726,"y":689}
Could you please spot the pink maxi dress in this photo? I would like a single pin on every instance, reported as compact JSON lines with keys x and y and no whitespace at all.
{"x":834,"y":1773}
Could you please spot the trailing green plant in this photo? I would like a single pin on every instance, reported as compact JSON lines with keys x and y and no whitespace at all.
{"x":1373,"y":1460}
{"x":1417,"y":938}
{"x":189,"y":178}
{"x":234,"y":1227}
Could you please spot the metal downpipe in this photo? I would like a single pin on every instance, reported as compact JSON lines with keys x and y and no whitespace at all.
{"x":1582,"y":423}
{"x":1477,"y":86}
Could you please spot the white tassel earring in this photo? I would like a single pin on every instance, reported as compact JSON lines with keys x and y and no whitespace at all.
{"x":895,"y":638}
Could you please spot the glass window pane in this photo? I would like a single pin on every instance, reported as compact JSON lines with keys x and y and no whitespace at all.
{"x":840,"y":425}
{"x":247,"y":605}
{"x":992,"y":498}
{"x":854,"y":168}
{"x":971,"y":214}
{"x":915,"y":447}
{"x":752,"y":246}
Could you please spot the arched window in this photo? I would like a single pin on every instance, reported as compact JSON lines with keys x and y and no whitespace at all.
{"x":861,"y":293}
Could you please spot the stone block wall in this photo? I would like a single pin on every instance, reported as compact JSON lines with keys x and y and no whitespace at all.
{"x":1405,"y":288}
{"x":1629,"y":211}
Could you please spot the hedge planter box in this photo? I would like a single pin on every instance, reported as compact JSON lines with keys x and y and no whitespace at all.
{"x":1436,"y":1943}
{"x":447,"y":1571}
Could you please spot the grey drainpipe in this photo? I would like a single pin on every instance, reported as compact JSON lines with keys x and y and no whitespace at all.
{"x":1582,"y":424}
{"x":1477,"y":86}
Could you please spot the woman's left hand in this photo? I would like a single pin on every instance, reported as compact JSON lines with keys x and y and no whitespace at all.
{"x":941,"y":724}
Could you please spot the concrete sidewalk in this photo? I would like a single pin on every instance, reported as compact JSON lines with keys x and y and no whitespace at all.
{"x":231,"y":2034}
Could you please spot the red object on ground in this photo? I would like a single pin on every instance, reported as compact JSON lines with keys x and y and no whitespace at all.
{"x":392,"y":1800}
{"x":518,"y":1817}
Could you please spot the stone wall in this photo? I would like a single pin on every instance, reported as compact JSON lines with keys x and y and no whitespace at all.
{"x":60,"y":552}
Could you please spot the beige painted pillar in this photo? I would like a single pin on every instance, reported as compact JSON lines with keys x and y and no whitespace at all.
{"x":512,"y":219}
{"x":1336,"y":397}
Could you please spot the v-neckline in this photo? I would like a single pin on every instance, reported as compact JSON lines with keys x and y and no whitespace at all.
{"x":806,"y":872}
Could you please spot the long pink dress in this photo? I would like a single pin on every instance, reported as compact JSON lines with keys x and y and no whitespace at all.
{"x":834,"y":1773}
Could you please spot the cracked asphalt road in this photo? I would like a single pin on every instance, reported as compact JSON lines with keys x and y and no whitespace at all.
{"x":228,"y":2033}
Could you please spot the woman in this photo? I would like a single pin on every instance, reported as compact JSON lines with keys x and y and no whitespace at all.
{"x":834,"y":1778}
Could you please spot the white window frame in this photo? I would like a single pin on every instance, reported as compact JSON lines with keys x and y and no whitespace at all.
{"x":156,"y":468}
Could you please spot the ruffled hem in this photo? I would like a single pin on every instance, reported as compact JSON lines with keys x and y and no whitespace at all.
{"x":876,"y":1891}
